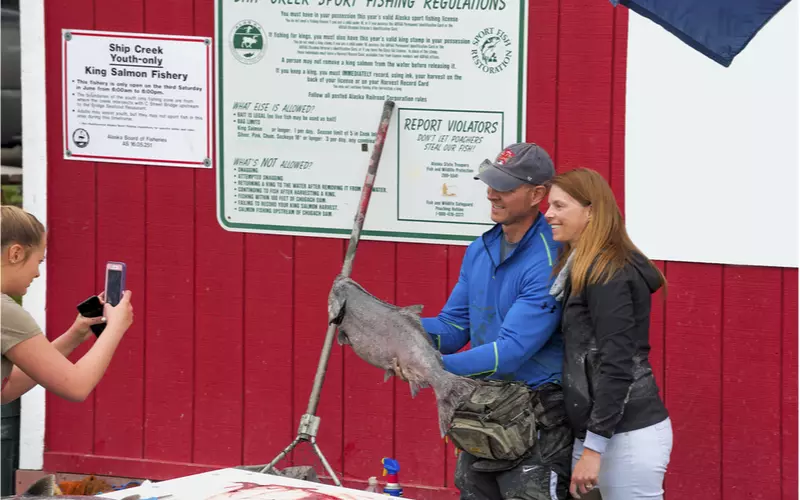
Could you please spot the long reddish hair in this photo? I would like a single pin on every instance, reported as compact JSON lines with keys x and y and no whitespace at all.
{"x":604,"y":245}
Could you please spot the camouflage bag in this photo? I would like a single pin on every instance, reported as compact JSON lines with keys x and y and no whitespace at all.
{"x":497,"y":422}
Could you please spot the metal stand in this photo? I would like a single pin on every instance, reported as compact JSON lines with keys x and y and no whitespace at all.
{"x":309,"y":422}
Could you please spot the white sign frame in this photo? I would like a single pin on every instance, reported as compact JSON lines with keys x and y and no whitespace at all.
{"x":186,"y":143}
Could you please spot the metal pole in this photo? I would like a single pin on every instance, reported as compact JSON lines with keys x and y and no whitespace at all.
{"x":309,"y":422}
{"x":355,"y":236}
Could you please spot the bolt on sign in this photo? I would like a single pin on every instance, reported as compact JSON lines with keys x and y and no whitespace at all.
{"x":300,"y":88}
{"x":137,"y":98}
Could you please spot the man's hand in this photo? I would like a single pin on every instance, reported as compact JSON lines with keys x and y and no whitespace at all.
{"x":398,"y":371}
{"x":584,"y":476}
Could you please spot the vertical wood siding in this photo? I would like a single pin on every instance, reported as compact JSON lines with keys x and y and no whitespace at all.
{"x":218,"y":366}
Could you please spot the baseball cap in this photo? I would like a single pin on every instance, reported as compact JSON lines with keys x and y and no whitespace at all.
{"x":519,"y":163}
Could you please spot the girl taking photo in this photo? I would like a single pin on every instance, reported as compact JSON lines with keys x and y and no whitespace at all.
{"x":28,"y":357}
{"x":623,"y":434}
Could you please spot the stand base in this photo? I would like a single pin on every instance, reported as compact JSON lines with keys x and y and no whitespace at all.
{"x":307,"y":431}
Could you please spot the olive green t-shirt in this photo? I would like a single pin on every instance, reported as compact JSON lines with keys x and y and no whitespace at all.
{"x":16,"y":325}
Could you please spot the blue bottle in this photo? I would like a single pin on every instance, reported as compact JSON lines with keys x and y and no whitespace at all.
{"x":390,"y":469}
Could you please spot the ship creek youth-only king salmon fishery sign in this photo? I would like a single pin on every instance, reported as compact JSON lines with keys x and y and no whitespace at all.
{"x":137,"y":98}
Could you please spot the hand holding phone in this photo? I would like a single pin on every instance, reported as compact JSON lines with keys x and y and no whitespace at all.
{"x":118,"y":309}
{"x":92,"y":308}
{"x":121,"y":315}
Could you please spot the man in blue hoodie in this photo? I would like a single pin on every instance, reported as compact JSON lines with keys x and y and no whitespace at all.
{"x":502,"y":306}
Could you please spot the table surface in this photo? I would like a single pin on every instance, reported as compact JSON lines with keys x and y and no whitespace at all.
{"x":237,"y":484}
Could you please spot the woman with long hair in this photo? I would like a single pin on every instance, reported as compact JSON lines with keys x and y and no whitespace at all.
{"x":623,"y":433}
{"x":28,"y":357}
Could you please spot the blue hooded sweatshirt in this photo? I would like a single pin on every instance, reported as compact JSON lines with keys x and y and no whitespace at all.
{"x":505,"y":310}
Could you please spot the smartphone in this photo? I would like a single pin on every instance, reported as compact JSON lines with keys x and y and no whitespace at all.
{"x":115,"y":282}
{"x":92,"y":308}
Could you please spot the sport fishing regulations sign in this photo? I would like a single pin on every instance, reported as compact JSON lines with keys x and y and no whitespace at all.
{"x":300,"y":89}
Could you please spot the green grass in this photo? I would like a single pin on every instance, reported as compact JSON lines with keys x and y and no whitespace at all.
{"x":12,"y":194}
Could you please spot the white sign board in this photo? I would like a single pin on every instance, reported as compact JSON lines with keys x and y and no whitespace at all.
{"x":137,"y":98}
{"x":237,"y":484}
{"x":711,"y":158}
{"x":300,"y":90}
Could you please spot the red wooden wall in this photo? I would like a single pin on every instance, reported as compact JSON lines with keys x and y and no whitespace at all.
{"x":219,"y":363}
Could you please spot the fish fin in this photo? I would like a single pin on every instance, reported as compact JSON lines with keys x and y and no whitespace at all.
{"x":388,"y":374}
{"x":341,"y":338}
{"x":335,"y":317}
{"x":416,"y":309}
{"x":44,"y":487}
{"x":416,"y":386}
{"x":450,"y":394}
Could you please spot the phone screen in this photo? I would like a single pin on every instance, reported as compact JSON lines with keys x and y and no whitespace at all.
{"x":114,"y":287}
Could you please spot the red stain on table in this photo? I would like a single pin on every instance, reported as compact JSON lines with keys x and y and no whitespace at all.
{"x":248,"y":490}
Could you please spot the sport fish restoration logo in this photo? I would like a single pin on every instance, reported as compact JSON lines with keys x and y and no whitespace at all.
{"x":247,"y":42}
{"x":491,"y":50}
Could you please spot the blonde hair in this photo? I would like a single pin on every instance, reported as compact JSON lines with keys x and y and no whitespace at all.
{"x":604,"y":245}
{"x":20,"y":227}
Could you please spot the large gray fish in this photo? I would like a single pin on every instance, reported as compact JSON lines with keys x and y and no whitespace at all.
{"x":47,"y":487}
{"x":380,"y":332}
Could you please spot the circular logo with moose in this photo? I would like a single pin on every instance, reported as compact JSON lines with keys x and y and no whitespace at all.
{"x":247,"y":42}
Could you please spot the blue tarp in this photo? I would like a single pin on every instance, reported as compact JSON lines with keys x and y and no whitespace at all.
{"x":719,"y":29}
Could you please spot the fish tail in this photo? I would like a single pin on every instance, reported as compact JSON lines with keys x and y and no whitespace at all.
{"x":44,"y":487}
{"x":450,"y":393}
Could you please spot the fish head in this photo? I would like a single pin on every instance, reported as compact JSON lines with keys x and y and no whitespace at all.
{"x":337,"y":302}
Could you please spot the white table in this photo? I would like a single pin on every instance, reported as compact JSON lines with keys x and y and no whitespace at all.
{"x":237,"y":484}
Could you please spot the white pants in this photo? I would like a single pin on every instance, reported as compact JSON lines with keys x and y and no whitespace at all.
{"x":634,"y":464}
